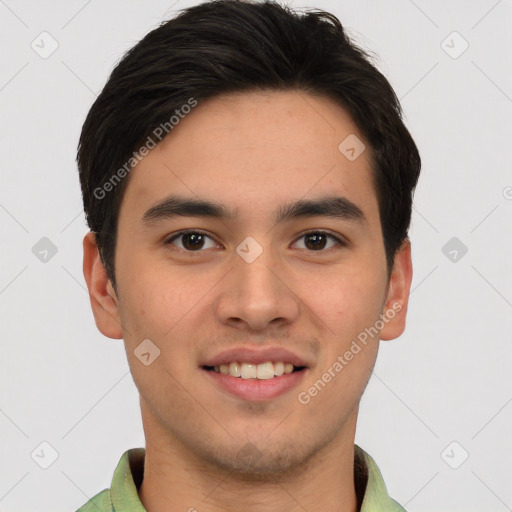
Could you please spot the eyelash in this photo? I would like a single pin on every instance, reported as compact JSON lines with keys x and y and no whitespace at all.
{"x":339,"y":241}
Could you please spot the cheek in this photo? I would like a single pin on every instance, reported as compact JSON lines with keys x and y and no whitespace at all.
{"x":155,"y":297}
{"x":163,"y":305}
{"x":151,"y":309}
{"x":347,"y":302}
{"x":350,"y":352}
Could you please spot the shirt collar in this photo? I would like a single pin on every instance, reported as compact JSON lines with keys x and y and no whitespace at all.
{"x":130,"y":470}
{"x":376,"y":497}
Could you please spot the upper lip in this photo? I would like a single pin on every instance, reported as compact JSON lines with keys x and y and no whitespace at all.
{"x":256,"y":356}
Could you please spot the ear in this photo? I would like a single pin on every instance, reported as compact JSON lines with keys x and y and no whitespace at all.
{"x":104,"y":302}
{"x":397,"y":300}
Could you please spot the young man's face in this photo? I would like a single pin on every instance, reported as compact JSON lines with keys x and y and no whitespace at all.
{"x":195,"y":298}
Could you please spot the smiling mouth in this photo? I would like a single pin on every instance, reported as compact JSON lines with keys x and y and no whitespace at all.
{"x":264,"y":371}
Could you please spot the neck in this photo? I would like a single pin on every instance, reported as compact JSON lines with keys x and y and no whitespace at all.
{"x":175,"y":479}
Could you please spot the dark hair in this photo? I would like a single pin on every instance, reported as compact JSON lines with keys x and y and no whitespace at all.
{"x":227,"y":46}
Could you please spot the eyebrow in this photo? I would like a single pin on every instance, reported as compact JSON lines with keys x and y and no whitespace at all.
{"x":328,"y":206}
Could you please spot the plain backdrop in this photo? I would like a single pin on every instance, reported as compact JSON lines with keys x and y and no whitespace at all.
{"x":437,"y":413}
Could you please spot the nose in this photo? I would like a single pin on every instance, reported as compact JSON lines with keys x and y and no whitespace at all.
{"x":256,"y":295}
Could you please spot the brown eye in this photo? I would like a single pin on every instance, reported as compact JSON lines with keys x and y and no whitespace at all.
{"x":192,"y":241}
{"x":318,"y":240}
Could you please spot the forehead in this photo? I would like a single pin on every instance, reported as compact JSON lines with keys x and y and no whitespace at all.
{"x":256,"y":150}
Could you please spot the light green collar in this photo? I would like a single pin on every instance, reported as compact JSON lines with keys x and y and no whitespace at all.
{"x":123,"y":496}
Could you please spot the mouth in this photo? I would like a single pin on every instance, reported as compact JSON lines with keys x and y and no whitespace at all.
{"x":264,"y":371}
{"x":255,"y":382}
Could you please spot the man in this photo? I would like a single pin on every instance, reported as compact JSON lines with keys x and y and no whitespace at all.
{"x":248,"y":182}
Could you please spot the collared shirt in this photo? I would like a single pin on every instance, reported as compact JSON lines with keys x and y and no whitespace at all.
{"x":123,"y":497}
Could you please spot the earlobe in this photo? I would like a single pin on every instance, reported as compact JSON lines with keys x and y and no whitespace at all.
{"x":104,"y":302}
{"x":397,"y":300}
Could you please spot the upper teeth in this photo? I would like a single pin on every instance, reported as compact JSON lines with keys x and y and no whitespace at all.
{"x":254,"y":371}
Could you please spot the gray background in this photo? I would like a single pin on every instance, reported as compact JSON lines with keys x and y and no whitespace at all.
{"x":447,"y":379}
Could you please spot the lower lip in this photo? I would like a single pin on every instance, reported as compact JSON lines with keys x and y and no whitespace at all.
{"x":257,"y":389}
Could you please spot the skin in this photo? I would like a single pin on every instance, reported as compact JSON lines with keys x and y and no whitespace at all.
{"x":250,"y":151}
